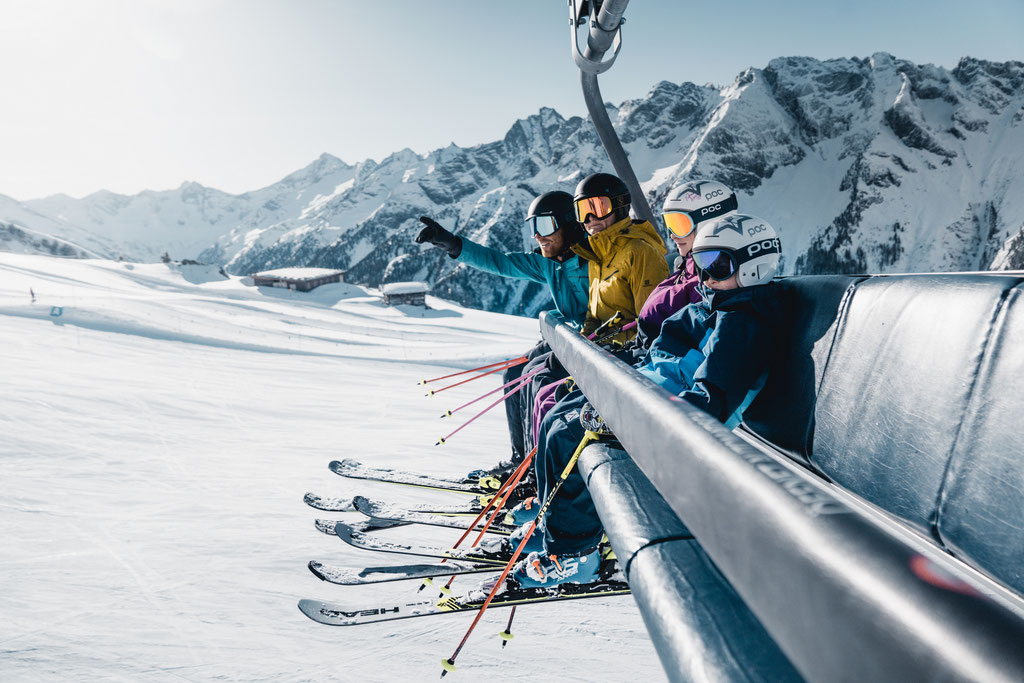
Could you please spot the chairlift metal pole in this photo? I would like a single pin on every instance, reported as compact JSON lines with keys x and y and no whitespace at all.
{"x":605,"y":30}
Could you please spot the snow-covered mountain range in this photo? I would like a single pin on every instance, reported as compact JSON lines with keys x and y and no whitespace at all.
{"x":862,"y":165}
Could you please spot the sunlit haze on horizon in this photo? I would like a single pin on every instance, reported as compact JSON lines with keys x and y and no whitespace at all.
{"x":235,"y":94}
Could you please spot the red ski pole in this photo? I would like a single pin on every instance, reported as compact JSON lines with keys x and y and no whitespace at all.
{"x":483,"y":374}
{"x":482,"y":367}
{"x":506,"y":489}
{"x":449,"y":663}
{"x":517,"y":475}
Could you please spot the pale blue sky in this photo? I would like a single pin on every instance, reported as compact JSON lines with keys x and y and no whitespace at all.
{"x":133,"y":94}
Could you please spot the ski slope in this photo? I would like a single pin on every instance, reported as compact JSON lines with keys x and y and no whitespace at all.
{"x":158,"y":437}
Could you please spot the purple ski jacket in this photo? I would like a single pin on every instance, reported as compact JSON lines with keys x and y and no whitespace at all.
{"x":678,"y":290}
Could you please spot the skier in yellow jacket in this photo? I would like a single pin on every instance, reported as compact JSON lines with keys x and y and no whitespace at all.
{"x":626,"y":258}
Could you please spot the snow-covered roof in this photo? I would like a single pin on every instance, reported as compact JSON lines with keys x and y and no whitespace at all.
{"x":404,"y":288}
{"x":298,"y":273}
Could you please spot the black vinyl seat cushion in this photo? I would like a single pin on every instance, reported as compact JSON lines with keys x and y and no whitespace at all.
{"x":897,"y":380}
{"x":981,"y":510}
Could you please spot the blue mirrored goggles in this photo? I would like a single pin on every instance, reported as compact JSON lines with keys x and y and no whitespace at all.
{"x":545,"y":226}
{"x":720,"y":264}
{"x":717,"y":264}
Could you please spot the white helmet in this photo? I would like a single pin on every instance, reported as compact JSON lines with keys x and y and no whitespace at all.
{"x":692,"y":203}
{"x":738,"y":243}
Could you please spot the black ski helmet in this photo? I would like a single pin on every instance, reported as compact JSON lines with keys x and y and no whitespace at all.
{"x":605,"y":185}
{"x":558,"y":205}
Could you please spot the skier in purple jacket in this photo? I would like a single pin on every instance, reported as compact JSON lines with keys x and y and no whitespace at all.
{"x":685,"y":207}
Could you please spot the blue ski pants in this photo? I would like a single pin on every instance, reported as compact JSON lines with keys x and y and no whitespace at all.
{"x":571,"y":523}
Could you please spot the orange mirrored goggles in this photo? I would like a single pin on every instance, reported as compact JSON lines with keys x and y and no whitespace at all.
{"x":599,"y":207}
{"x":680,"y":224}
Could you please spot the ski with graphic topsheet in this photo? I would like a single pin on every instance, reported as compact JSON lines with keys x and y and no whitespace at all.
{"x":353,"y":469}
{"x":344,"y":504}
{"x":380,"y":510}
{"x":346,"y":576}
{"x":357,"y":537}
{"x":334,"y":614}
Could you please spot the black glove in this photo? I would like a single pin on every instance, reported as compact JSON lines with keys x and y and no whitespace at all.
{"x":439,"y":237}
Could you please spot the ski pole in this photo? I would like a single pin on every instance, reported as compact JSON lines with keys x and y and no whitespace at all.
{"x":506,"y":635}
{"x":449,"y":663}
{"x":520,"y":379}
{"x":465,"y":424}
{"x":606,"y":325}
{"x":506,"y":488}
{"x":482,"y":367}
{"x":517,"y":475}
{"x":625,"y":328}
{"x":482,"y":374}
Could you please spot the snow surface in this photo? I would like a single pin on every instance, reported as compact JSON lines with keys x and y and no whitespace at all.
{"x":159,"y":436}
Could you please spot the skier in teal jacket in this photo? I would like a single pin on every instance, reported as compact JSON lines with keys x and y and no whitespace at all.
{"x":553,"y":264}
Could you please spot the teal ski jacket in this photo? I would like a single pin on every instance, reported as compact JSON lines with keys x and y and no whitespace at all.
{"x":568,"y":282}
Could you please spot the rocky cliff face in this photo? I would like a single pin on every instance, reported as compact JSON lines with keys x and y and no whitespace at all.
{"x":862,"y":165}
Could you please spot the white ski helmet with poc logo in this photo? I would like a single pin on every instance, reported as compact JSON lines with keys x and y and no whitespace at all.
{"x":741,"y":244}
{"x":690,"y":204}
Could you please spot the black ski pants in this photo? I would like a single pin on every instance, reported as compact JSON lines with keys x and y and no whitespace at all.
{"x":521,"y":403}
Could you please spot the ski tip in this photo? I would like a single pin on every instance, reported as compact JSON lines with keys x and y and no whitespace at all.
{"x":326,"y":526}
{"x":422,"y":383}
{"x":314,"y":567}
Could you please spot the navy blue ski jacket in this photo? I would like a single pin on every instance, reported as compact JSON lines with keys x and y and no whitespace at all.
{"x":568,"y":282}
{"x":716,"y":353}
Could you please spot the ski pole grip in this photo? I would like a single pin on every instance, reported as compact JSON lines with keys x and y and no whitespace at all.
{"x":588,"y":438}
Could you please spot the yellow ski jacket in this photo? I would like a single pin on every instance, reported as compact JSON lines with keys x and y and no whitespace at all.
{"x":627,"y":261}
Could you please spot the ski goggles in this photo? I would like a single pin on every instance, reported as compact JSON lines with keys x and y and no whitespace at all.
{"x":599,"y":207}
{"x":679,"y":224}
{"x":545,"y":226}
{"x":682,"y":223}
{"x":717,"y":264}
{"x":722,"y":264}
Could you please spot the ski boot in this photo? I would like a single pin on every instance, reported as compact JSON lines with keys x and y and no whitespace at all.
{"x":523,"y":513}
{"x":500,"y":549}
{"x":542,"y":570}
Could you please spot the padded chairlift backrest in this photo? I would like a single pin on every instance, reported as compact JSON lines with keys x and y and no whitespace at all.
{"x":783,"y":411}
{"x":898,"y":379}
{"x":981,"y":513}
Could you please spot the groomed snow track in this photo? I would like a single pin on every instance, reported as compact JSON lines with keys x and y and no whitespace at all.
{"x":865,"y":523}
